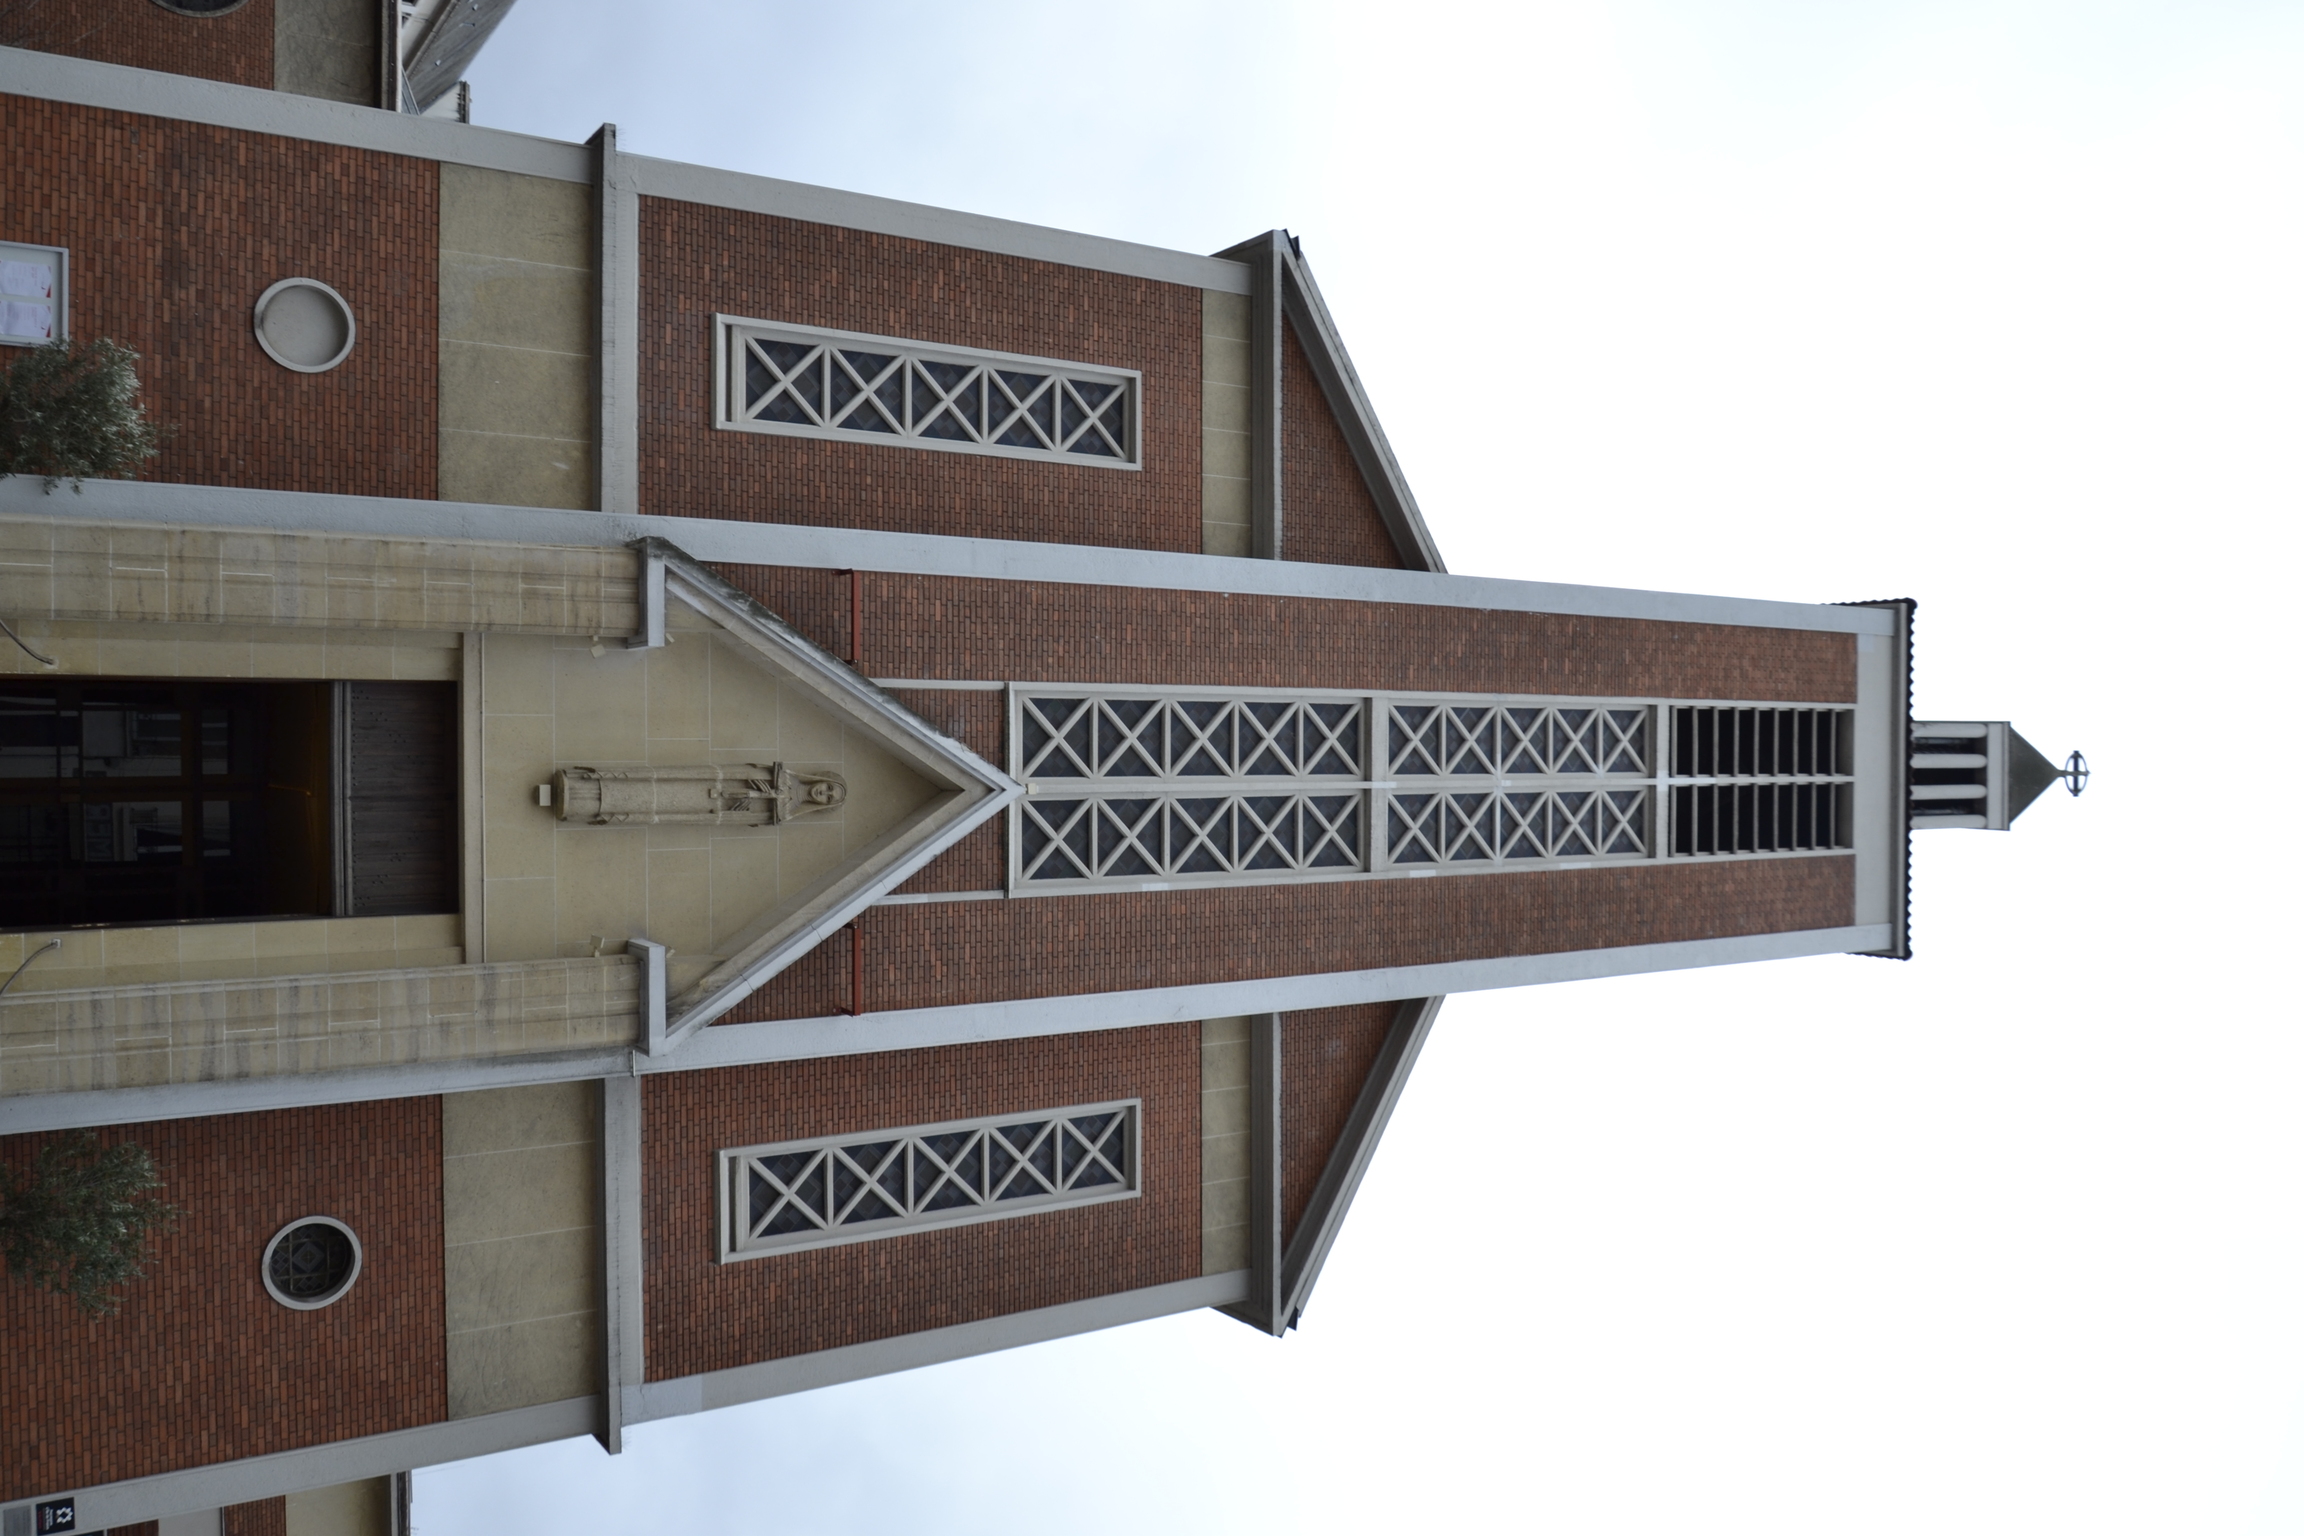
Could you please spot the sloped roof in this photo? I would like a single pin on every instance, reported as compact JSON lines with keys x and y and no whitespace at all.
{"x":1323,"y":344}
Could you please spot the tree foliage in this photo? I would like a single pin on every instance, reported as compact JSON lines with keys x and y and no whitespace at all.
{"x":81,"y":1219}
{"x":68,"y":410}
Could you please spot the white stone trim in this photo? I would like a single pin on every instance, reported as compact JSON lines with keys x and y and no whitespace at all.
{"x":729,"y":1045}
{"x":622,"y":1233}
{"x":52,"y":77}
{"x":330,"y":298}
{"x":713,"y":539}
{"x":675,"y":181}
{"x":118,"y":88}
{"x":808,"y":1039}
{"x":905,"y":1179}
{"x":297,"y":1303}
{"x":1076,"y":413}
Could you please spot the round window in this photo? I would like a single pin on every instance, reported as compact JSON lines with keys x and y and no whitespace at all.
{"x":304,"y":324}
{"x":310,"y":1262}
{"x":200,"y":7}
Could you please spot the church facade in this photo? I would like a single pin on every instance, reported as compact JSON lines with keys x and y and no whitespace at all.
{"x":679,"y":787}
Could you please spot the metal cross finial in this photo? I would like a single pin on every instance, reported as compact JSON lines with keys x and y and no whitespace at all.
{"x":2075,"y":774}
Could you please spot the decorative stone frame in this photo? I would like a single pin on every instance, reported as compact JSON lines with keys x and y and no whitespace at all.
{"x":1038,"y":420}
{"x":300,"y":1304}
{"x":924,"y":1171}
{"x":307,"y":290}
{"x":1351,"y":785}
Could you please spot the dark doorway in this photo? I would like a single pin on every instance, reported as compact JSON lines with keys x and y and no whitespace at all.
{"x":127,"y":802}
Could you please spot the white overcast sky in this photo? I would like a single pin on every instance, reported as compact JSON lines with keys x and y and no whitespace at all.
{"x":1992,"y":305}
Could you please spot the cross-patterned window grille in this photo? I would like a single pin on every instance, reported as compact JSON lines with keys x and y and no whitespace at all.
{"x":1192,"y":786}
{"x":845,"y":1189}
{"x":1137,"y":788}
{"x":1585,"y":753}
{"x":808,"y":382}
{"x":1761,"y":780}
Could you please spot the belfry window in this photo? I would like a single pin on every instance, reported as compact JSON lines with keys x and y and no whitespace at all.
{"x":804,"y":381}
{"x":844,"y":1189}
{"x":1761,"y":780}
{"x":177,"y":801}
{"x":1130,"y":789}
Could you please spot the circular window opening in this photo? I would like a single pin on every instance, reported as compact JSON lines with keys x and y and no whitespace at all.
{"x":310,"y":1262}
{"x":200,"y":7}
{"x":304,"y":324}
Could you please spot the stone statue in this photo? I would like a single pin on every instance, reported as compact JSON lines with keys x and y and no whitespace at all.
{"x":730,"y":795}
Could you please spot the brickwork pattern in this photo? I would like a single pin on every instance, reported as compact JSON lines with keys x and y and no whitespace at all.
{"x":917,"y":626}
{"x":1330,"y":516}
{"x":264,"y":1517}
{"x":698,"y":261}
{"x":935,"y":954}
{"x":175,"y":229}
{"x":704,"y":1316}
{"x":965,"y":627}
{"x":234,"y":48}
{"x":1325,"y":1055}
{"x":200,"y":1365}
{"x":141,"y":1528}
{"x":977,"y":720}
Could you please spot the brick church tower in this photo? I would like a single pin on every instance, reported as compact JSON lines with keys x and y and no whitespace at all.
{"x":679,"y":787}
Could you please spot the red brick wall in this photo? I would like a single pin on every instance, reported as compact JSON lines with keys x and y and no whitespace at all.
{"x":1331,"y":519}
{"x":979,"y":721}
{"x":234,"y":48}
{"x":265,"y":1517}
{"x":1325,"y":1055}
{"x":176,"y":228}
{"x":704,"y":1316}
{"x":200,"y":1365}
{"x":932,"y":954}
{"x":965,"y":627}
{"x":141,"y":1528}
{"x":697,"y":261}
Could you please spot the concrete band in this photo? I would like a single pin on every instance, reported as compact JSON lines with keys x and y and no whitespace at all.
{"x":722,"y":541}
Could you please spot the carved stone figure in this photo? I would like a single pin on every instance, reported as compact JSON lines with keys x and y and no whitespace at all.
{"x":731,"y":795}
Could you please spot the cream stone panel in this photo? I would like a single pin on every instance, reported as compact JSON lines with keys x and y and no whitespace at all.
{"x":56,"y":571}
{"x":363,"y":1508}
{"x":146,"y":1034}
{"x":506,"y":470}
{"x":326,"y":48}
{"x":114,"y":957}
{"x":520,"y":1213}
{"x":1224,"y":422}
{"x":553,"y":888}
{"x":1224,"y":1153}
{"x":518,"y":303}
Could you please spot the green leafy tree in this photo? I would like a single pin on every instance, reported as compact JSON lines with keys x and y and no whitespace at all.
{"x":68,"y":410}
{"x":81,"y":1218}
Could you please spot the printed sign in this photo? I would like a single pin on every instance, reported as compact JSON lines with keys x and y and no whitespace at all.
{"x":55,"y":1515}
{"x":33,"y":280}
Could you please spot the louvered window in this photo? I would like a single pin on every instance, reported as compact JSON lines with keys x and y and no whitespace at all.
{"x":804,"y":381}
{"x":845,"y":1189}
{"x":1145,"y":789}
{"x":1761,"y":780}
